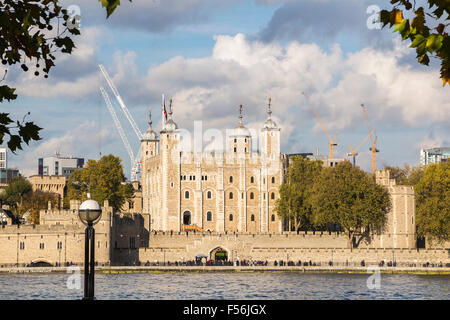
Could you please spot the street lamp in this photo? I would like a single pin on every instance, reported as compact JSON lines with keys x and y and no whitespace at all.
{"x":89,"y":213}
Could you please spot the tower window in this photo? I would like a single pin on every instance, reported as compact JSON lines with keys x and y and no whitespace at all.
{"x":209,"y":195}
{"x":209,"y":216}
{"x":273,"y":217}
{"x":231,"y":179}
{"x":231,"y":217}
{"x":252,"y":180}
{"x":273,"y":179}
{"x":234,"y":149}
{"x":235,"y":140}
{"x":252,"y":217}
{"x":231,"y":195}
{"x":186,"y":194}
{"x":272,"y":196}
{"x":252,"y":196}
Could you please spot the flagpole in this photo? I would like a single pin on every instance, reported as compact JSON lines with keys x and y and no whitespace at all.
{"x":162,"y":112}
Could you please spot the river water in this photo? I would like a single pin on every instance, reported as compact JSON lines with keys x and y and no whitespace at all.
{"x":184,"y":286}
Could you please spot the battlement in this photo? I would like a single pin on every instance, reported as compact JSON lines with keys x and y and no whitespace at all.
{"x":38,"y":229}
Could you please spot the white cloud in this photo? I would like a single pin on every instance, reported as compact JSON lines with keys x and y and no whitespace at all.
{"x":77,"y":142}
{"x":239,"y":69}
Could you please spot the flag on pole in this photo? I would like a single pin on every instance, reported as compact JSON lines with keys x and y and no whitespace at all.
{"x":163,"y":107}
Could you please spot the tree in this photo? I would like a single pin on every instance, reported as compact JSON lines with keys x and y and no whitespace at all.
{"x":103,"y":179}
{"x":15,"y":192}
{"x":30,"y":35}
{"x":19,"y":195}
{"x":36,"y":201}
{"x":348,"y":196}
{"x":294,"y":202}
{"x":433,"y":203}
{"x":406,"y":175}
{"x":427,"y":37}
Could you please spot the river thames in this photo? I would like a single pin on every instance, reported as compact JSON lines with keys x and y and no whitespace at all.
{"x":217,"y":286}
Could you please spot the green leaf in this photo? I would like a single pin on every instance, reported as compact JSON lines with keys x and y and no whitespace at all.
{"x":418,"y":39}
{"x":14,"y":143}
{"x":7,"y":93}
{"x":424,"y":59}
{"x":400,"y":26}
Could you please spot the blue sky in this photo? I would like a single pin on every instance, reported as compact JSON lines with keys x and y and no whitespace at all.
{"x":210,"y":55}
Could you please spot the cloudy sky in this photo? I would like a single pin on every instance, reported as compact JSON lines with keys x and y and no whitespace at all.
{"x":210,"y":55}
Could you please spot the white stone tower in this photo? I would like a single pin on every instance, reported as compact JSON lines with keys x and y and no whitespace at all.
{"x":170,"y":173}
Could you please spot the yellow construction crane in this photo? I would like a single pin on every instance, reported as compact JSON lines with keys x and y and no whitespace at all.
{"x":354,"y":153}
{"x":373,"y":142}
{"x":332,"y":141}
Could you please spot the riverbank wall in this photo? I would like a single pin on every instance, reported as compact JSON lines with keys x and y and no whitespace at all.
{"x":431,"y":270}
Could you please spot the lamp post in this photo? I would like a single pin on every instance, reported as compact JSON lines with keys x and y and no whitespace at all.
{"x":89,"y":213}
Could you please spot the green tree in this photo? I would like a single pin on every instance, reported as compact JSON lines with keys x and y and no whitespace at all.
{"x":103,"y":179}
{"x":433,"y":203}
{"x":31,"y":32}
{"x":407,"y":175}
{"x":15,"y":192}
{"x":429,"y":38}
{"x":348,"y":196}
{"x":294,"y":203}
{"x":36,"y":201}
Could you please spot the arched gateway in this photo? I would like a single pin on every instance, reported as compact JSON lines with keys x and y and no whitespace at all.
{"x":218,"y":253}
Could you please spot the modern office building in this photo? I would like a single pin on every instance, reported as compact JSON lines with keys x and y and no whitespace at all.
{"x":3,"y":159}
{"x":59,"y":166}
{"x":434,"y":155}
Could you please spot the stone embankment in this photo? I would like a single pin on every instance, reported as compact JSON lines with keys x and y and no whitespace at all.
{"x":238,"y":269}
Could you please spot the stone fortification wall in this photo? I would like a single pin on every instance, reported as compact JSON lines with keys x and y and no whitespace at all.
{"x":319,"y":248}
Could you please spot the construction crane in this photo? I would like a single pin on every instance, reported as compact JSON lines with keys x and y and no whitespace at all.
{"x":373,"y":142}
{"x":354,"y":153}
{"x":134,"y":161}
{"x":121,"y":103}
{"x":332,"y":141}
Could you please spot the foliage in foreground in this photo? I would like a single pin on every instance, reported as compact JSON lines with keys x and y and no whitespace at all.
{"x":31,"y":34}
{"x":427,"y":29}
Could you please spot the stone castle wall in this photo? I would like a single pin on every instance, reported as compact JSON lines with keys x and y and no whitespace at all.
{"x":287,"y":246}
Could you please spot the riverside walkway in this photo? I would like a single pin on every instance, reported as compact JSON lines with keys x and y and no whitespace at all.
{"x":240,"y":269}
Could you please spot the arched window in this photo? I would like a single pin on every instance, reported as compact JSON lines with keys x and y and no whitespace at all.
{"x":273,"y":217}
{"x":209,"y":195}
{"x":273,"y":179}
{"x":186,"y":194}
{"x":252,"y":218}
{"x":231,"y":217}
{"x":231,"y":195}
{"x":272,"y":196}
{"x":209,"y":216}
{"x":231,"y":179}
{"x":252,"y":180}
{"x":186,"y":218}
{"x":252,"y":196}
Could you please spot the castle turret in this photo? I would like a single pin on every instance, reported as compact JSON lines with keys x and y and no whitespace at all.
{"x":150,"y":141}
{"x":270,"y":136}
{"x":240,"y":141}
{"x":170,"y":171}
